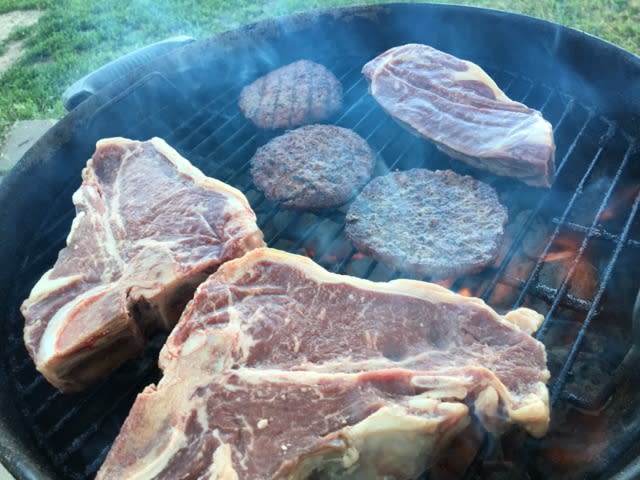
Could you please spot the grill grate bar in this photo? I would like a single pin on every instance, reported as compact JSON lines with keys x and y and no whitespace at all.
{"x":533,"y":276}
{"x":548,"y":293}
{"x":545,"y":104}
{"x":57,"y":235}
{"x":407,"y":148}
{"x":527,"y":224}
{"x":78,"y":441}
{"x":211,"y":107}
{"x":278,"y":233}
{"x":93,"y":467}
{"x":37,"y":381}
{"x":486,"y":447}
{"x":71,"y":412}
{"x":46,"y":403}
{"x":563,"y":287}
{"x":598,"y":233}
{"x":240,"y":170}
{"x":208,"y":144}
{"x":559,"y":384}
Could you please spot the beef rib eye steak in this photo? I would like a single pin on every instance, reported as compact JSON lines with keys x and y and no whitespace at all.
{"x":149,"y":228}
{"x":457,"y":106}
{"x":280,"y":369}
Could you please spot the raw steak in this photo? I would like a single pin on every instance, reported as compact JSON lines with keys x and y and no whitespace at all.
{"x":278,"y":369}
{"x":456,"y":105}
{"x":149,"y":228}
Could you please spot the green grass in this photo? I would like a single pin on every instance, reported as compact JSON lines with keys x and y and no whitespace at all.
{"x":76,"y":36}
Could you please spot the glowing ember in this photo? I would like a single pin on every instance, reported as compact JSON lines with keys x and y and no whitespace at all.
{"x":608,"y":214}
{"x":466,"y":292}
{"x":619,"y":203}
{"x":358,"y":256}
{"x":556,"y":256}
{"x":446,"y":283}
{"x":562,"y":249}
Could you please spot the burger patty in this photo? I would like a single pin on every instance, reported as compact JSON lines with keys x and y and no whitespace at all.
{"x":313,"y":167}
{"x":428,"y":223}
{"x":297,"y":94}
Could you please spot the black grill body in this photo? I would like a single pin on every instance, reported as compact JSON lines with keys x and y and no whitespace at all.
{"x":589,"y":90}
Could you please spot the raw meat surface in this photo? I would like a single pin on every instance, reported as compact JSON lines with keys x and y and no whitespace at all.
{"x":280,"y":369}
{"x":300,"y":93}
{"x":149,"y":228}
{"x":425,"y":222}
{"x":313,"y":167}
{"x":456,"y":105}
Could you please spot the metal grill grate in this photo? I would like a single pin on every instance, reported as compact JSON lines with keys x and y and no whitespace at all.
{"x":76,"y":431}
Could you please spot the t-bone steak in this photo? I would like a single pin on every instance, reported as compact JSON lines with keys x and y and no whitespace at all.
{"x":279,"y":369}
{"x":149,"y":228}
{"x":456,"y":105}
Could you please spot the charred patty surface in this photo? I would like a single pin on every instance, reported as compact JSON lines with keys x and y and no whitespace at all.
{"x":424,"y":222}
{"x":313,"y":167}
{"x":297,"y":94}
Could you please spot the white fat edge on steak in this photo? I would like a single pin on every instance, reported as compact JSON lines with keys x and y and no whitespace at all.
{"x":158,"y":459}
{"x":48,"y":348}
{"x":183,"y":166}
{"x":533,"y":128}
{"x":204,"y":340}
{"x":442,"y":382}
{"x":40,"y":290}
{"x":531,"y":409}
{"x":221,"y":467}
{"x":182,"y":384}
{"x":233,"y":270}
{"x":390,"y":439}
{"x":88,"y":194}
{"x":235,"y":199}
{"x":415,"y":429}
{"x":47,"y":285}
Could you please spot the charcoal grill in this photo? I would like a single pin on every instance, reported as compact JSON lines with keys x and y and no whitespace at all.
{"x":571,"y":250}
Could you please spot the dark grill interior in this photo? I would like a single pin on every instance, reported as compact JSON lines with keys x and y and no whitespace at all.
{"x":569,"y":254}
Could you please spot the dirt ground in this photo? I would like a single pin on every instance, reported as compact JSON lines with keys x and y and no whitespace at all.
{"x":9,"y":21}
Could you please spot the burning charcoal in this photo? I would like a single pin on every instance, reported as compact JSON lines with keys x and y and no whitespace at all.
{"x":576,"y":440}
{"x":533,"y":241}
{"x":583,"y":283}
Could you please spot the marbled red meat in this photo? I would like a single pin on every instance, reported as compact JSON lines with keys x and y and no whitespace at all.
{"x":280,"y":369}
{"x":149,"y":228}
{"x":456,"y":105}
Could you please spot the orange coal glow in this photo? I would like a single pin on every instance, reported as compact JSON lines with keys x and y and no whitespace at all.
{"x":309,"y":252}
{"x":608,"y":214}
{"x":465,"y":292}
{"x":446,"y":283}
{"x":562,"y":249}
{"x":358,"y":256}
{"x":556,"y":256}
{"x":618,"y":205}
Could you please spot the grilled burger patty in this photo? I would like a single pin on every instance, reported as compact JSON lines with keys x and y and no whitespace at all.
{"x":424,"y":222}
{"x":313,"y":167}
{"x":297,"y":94}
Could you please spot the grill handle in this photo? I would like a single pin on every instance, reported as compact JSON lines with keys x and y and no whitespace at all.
{"x":94,"y":81}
